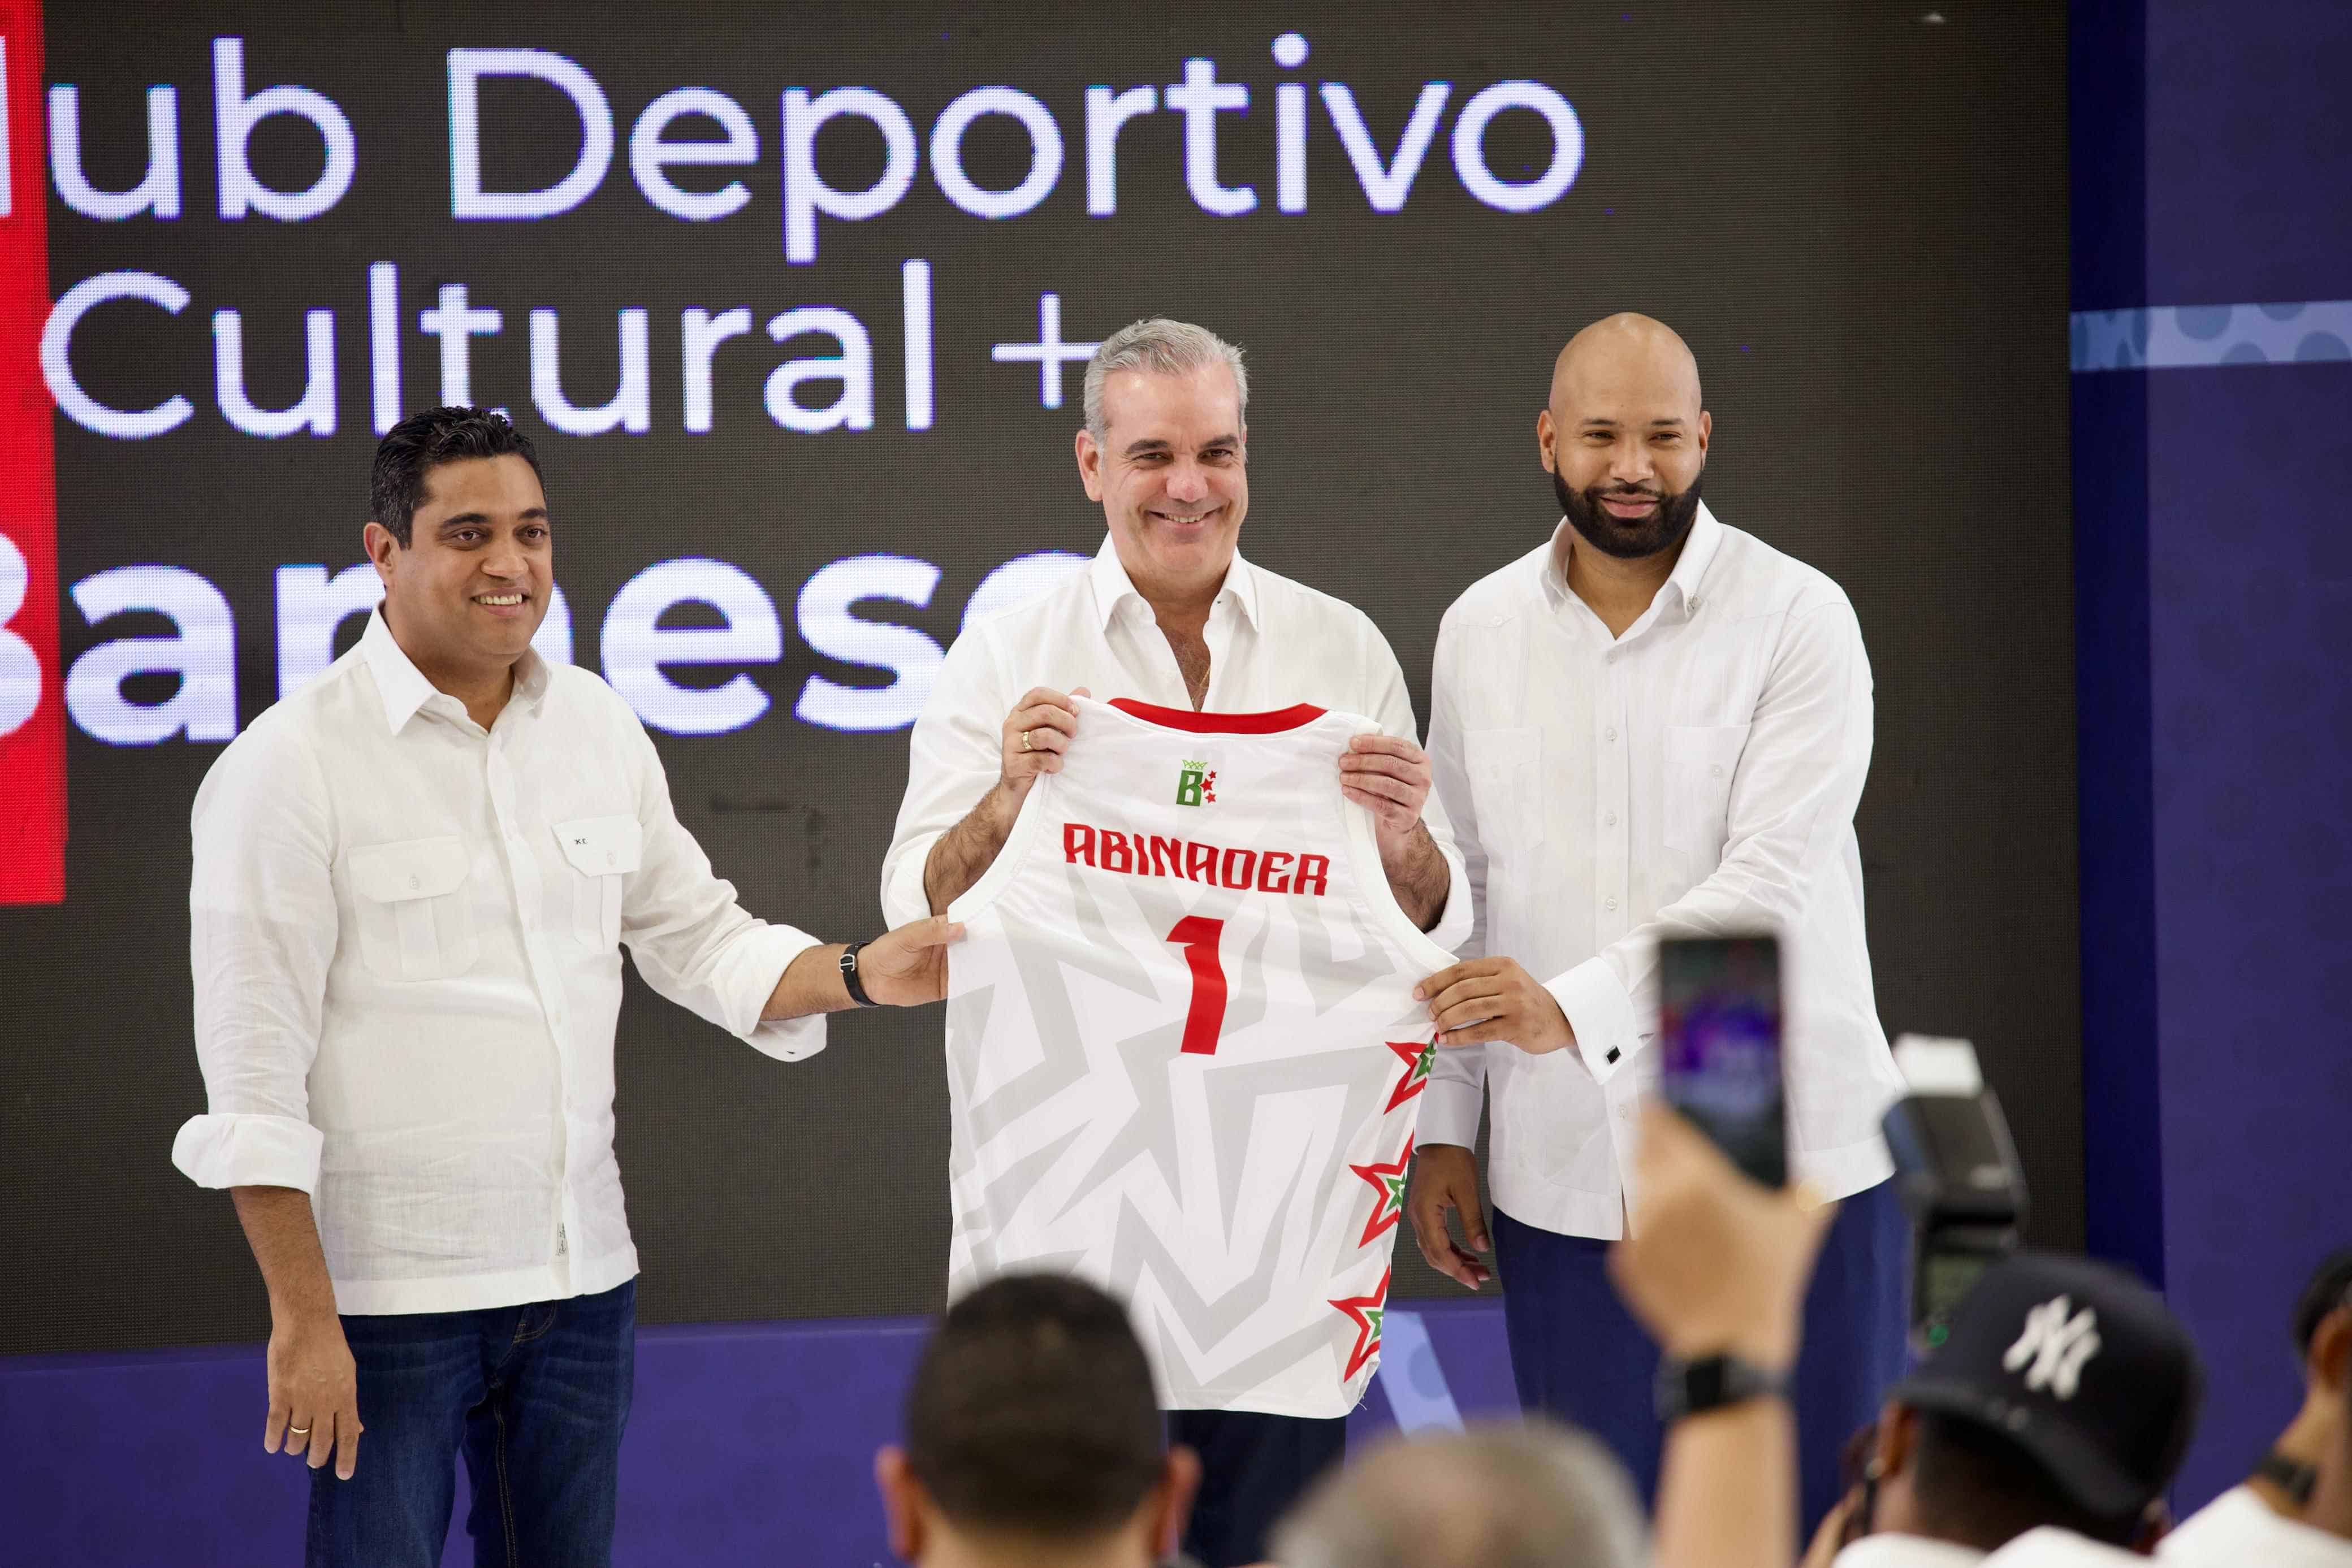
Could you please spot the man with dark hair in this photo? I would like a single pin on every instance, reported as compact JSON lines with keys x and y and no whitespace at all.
{"x":411,"y":882}
{"x":2278,"y":1517}
{"x":1034,"y":1435}
{"x":2040,"y":1432}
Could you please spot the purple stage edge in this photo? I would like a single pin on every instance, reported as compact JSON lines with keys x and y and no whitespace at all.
{"x":750,"y":1443}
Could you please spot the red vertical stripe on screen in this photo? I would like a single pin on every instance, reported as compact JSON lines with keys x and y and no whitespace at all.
{"x":32,"y":755}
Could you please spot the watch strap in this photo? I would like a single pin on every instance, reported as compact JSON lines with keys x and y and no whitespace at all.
{"x":1712,"y":1382}
{"x":2292,"y":1477}
{"x":849,"y":980}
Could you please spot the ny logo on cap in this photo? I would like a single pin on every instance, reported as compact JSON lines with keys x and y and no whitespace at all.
{"x":2057,"y":1344}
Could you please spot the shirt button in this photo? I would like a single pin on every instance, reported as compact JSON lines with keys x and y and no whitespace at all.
{"x":1609,"y":903}
{"x":1609,"y":734}
{"x":1610,"y":821}
{"x":1717,"y":771}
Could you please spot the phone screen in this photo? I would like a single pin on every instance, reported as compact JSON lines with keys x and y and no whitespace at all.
{"x":1719,"y":1039}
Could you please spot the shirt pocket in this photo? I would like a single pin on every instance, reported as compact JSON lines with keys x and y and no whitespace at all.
{"x":1701,"y":759}
{"x":602,"y":851}
{"x":1505,"y":768}
{"x":414,"y":922}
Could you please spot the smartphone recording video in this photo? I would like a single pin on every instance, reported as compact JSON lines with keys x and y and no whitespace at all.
{"x":1719,"y":1045}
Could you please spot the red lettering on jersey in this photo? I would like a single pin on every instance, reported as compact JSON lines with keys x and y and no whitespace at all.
{"x":1212,"y":865}
{"x":1167,"y":856}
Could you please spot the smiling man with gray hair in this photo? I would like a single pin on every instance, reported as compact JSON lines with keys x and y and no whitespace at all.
{"x":1169,"y":614}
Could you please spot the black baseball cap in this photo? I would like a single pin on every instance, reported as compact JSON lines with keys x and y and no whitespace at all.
{"x":2081,"y":1366}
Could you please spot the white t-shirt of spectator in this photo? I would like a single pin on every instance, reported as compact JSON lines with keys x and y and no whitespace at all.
{"x":2035,"y":1549}
{"x":2240,"y":1528}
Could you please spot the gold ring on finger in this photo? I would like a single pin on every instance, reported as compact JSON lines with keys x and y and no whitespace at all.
{"x":297,"y":1431}
{"x":1025,"y":744}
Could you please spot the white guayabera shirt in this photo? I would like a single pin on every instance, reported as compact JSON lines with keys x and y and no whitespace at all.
{"x":406,"y":937}
{"x":1697,"y":776}
{"x":1271,"y":643}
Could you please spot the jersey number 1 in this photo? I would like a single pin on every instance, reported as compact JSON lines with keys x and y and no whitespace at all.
{"x":1198,"y":936}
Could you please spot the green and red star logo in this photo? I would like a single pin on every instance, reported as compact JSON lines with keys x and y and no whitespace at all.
{"x":1417,"y":1058}
{"x":1388,"y":1181}
{"x":1367,"y":1312}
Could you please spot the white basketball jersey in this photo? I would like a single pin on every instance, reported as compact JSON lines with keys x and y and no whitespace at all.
{"x":1183,"y":1056}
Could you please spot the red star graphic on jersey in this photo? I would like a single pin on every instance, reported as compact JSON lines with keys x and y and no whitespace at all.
{"x":1367,"y":1311}
{"x":1389,"y":1182}
{"x":1209,"y":787}
{"x":1417,"y":1057}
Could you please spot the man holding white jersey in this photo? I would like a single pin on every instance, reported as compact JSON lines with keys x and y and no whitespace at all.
{"x":1170,"y":615}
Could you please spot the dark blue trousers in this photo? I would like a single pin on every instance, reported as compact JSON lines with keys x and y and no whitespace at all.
{"x":1577,"y":1355}
{"x":1253,"y":1467}
{"x":533,"y":1396}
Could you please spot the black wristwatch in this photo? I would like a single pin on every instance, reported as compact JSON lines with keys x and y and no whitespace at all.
{"x":1694,"y":1387}
{"x":849,"y":977}
{"x":2292,"y":1477}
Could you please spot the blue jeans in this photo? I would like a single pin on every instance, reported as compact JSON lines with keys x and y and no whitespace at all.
{"x":534,"y":1396}
{"x":1578,"y":1354}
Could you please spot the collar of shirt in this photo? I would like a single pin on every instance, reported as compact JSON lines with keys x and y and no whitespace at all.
{"x":405,"y":689}
{"x":1892,"y":1550}
{"x":1112,"y":585}
{"x":1699,"y":550}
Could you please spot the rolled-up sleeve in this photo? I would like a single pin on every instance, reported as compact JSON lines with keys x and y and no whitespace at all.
{"x":694,"y":944}
{"x":1456,"y":1093}
{"x":1392,"y":705}
{"x":953,"y":761}
{"x":262,"y":927}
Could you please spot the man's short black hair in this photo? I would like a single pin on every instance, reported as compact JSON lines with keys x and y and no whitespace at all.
{"x":1032,"y":1411}
{"x":2330,"y":1288}
{"x":422,"y":443}
{"x":1975,"y":1485}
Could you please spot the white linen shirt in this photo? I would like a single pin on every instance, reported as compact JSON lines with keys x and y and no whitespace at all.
{"x":1697,"y":776}
{"x":1271,"y":643}
{"x":404,"y":931}
{"x":2239,"y":1526}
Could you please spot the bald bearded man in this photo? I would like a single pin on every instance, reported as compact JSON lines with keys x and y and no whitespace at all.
{"x":1650,"y":725}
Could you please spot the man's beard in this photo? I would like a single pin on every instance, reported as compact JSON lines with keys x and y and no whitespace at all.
{"x":1663,"y":530}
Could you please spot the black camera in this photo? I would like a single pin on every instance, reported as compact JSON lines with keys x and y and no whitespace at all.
{"x":1957,"y":1174}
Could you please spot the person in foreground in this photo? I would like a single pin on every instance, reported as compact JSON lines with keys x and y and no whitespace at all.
{"x":1033,"y":1437}
{"x":1650,"y":725}
{"x":1494,"y":1496}
{"x":2040,"y":1433}
{"x":411,"y":882}
{"x":1171,"y":614}
{"x":2296,"y":1510}
{"x":2044,"y":1430}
